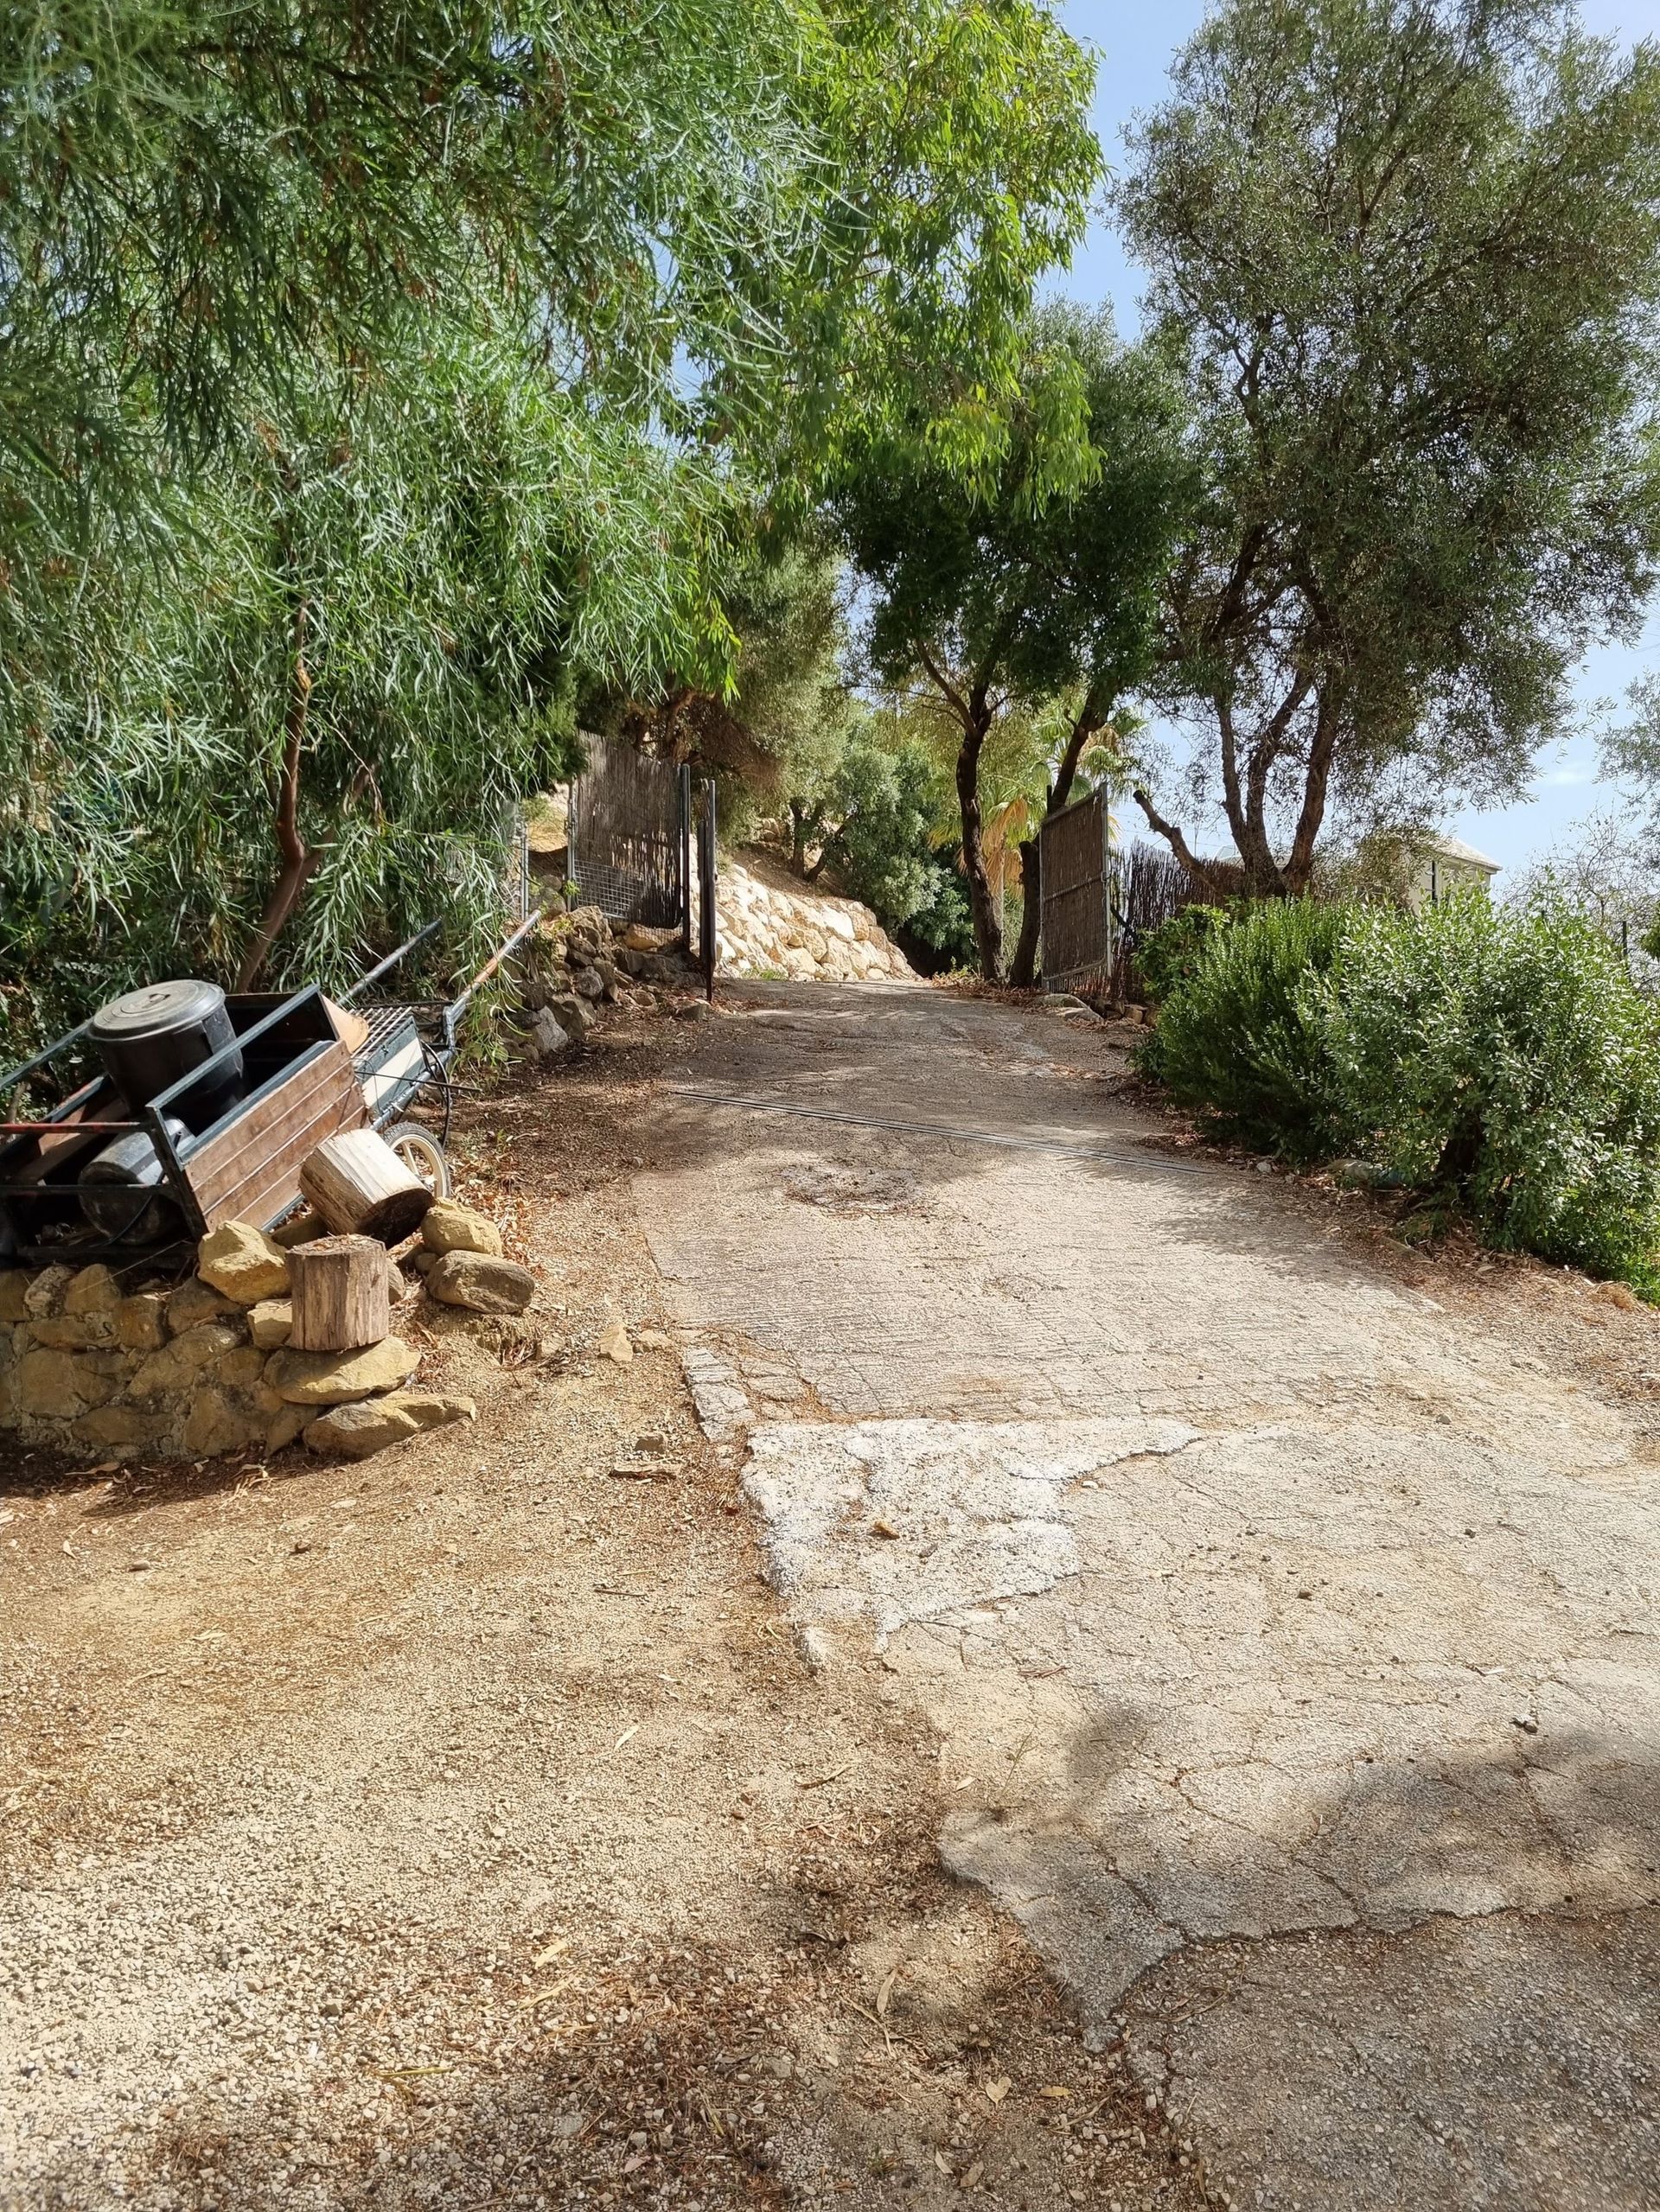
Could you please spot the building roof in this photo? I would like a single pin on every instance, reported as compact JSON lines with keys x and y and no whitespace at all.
{"x":1444,"y":848}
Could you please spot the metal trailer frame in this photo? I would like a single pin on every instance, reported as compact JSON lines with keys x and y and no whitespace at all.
{"x":410,"y":1048}
{"x":412,"y":1042}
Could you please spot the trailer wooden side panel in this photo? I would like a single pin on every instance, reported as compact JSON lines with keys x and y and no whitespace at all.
{"x":250,"y":1171}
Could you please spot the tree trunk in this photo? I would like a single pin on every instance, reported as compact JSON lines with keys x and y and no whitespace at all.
{"x":1023,"y":969}
{"x":361,"y":1187}
{"x":1203,"y":882}
{"x":297,"y":862}
{"x":339,"y":1289}
{"x":982,"y":904}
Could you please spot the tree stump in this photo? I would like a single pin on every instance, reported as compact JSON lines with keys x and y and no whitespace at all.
{"x":361,"y":1187}
{"x":338,"y":1291}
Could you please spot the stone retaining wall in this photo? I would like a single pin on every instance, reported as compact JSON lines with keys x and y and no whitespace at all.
{"x":765,"y":928}
{"x":170,"y":1373}
{"x":206,"y":1367}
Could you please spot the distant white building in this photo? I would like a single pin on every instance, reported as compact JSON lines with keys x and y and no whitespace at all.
{"x":1436,"y":866}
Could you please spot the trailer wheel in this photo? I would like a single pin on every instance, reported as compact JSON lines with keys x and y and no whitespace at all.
{"x":422,"y":1153}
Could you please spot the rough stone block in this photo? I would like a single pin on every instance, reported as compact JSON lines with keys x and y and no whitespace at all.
{"x":139,"y":1322}
{"x":283,"y":1427}
{"x":449,"y":1226}
{"x":194,"y":1302}
{"x":243,"y":1262}
{"x":125,"y":1427}
{"x":180,"y":1364}
{"x":56,"y":1386}
{"x":73,"y":1332}
{"x":432,"y":1409}
{"x":241,"y":1370}
{"x":336,"y":1378}
{"x":215,"y":1423}
{"x":14,"y":1286}
{"x":43,"y":1298}
{"x":574,"y":1016}
{"x":93,"y":1289}
{"x":358,"y":1431}
{"x":270,"y":1321}
{"x":480,"y":1282}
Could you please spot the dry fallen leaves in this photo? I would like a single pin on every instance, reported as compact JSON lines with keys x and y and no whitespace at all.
{"x":996,"y":2091}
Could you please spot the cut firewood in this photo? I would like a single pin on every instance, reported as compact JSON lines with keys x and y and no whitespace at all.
{"x":338,"y":1291}
{"x":361,"y":1187}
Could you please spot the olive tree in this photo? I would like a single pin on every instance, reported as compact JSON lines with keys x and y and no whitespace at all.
{"x":1046,"y":580}
{"x":1409,"y":251}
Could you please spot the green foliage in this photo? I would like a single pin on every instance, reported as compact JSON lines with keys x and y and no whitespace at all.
{"x":1043,"y":580}
{"x":883,"y":805}
{"x":1497,"y":1059}
{"x":1241,"y":1040}
{"x":421,"y":568}
{"x":1170,"y":955}
{"x":1505,"y":1058}
{"x":1409,"y":251}
{"x":378,"y":378}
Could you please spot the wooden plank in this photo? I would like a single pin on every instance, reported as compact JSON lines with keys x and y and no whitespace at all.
{"x":248,"y":1137}
{"x":251,"y":1170}
{"x":324,"y":1095}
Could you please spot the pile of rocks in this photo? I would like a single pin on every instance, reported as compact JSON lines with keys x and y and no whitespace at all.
{"x":764,"y":929}
{"x":581,"y":962}
{"x":207,"y":1367}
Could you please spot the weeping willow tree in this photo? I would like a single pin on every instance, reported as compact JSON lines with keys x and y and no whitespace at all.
{"x":375,"y":373}
{"x":303,"y":731}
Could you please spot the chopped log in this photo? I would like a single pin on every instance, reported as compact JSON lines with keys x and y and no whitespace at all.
{"x":361,"y":1187}
{"x":338,"y":1291}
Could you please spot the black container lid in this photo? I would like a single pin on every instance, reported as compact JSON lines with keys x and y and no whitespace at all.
{"x":157,"y":1010}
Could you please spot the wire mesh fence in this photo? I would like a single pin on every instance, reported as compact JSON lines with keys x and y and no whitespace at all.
{"x":627,"y":838}
{"x":1151,"y":886}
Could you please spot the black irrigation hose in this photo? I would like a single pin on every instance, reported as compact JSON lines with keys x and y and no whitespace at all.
{"x":1119,"y":1154}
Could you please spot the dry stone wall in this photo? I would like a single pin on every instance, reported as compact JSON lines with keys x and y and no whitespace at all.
{"x":206,"y":1367}
{"x":764,"y":929}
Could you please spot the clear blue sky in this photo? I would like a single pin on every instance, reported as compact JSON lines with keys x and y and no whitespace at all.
{"x":1134,"y":44}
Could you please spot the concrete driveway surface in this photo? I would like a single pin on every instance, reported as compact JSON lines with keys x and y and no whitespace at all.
{"x":1290,"y":1641}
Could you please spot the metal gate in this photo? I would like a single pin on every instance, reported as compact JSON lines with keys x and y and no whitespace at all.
{"x":1075,"y":879}
{"x":628,"y":832}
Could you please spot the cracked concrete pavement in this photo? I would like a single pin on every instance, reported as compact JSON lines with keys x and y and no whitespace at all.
{"x":1290,"y":1641}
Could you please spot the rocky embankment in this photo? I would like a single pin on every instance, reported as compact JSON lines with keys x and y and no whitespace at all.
{"x":763,"y":928}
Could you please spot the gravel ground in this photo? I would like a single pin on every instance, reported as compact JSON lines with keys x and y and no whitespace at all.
{"x":466,"y":1828}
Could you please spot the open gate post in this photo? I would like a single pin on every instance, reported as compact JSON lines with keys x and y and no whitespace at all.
{"x":706,"y":940}
{"x":1075,"y":878}
{"x":630,"y":836}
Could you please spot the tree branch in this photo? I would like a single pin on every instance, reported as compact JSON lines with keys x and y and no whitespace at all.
{"x":297,"y":861}
{"x":1197,"y":873}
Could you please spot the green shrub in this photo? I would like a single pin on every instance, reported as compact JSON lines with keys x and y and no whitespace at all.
{"x":1241,"y":1037}
{"x":1500,"y":1061}
{"x":1170,"y":954}
{"x":1504,"y":1059}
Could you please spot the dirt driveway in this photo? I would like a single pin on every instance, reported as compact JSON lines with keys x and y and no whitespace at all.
{"x":1283,"y":1605}
{"x":1140,"y":1693}
{"x":466,"y":1828}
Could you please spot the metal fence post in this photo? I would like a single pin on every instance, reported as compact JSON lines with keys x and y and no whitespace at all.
{"x":685,"y":790}
{"x":706,"y":890}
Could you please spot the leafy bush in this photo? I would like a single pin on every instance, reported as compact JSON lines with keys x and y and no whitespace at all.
{"x":1171,"y":953}
{"x":1504,"y":1059}
{"x":1242,"y":1037}
{"x":1495,"y":1059}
